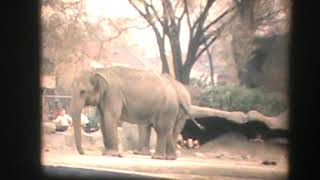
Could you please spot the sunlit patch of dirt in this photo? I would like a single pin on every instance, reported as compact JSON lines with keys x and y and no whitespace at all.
{"x":228,"y":155}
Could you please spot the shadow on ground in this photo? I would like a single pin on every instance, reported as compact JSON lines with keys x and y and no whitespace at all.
{"x":215,"y":127}
{"x":62,"y":172}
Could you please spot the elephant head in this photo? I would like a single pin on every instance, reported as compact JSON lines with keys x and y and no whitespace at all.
{"x":86,"y":91}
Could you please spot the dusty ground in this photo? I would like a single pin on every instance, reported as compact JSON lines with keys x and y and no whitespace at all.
{"x":226,"y":157}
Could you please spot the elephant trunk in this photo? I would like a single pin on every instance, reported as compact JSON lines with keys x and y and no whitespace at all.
{"x":76,"y":108}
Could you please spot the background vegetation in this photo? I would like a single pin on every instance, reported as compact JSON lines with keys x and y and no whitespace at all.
{"x":240,"y":98}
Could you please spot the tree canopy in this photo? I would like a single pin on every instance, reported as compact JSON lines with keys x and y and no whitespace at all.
{"x":166,"y":19}
{"x":66,"y":26}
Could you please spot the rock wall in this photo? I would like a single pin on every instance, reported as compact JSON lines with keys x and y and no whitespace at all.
{"x":223,"y":60}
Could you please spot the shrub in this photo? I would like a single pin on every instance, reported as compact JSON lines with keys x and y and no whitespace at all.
{"x":239,"y":98}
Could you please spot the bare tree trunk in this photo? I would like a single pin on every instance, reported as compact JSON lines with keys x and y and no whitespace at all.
{"x":185,"y":75}
{"x":176,"y":56}
{"x":243,"y":36}
{"x":163,"y":57}
{"x":165,"y":67}
{"x":246,"y":8}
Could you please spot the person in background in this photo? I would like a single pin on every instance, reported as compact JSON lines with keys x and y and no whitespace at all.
{"x":57,"y":109}
{"x":63,"y":121}
{"x":85,"y":122}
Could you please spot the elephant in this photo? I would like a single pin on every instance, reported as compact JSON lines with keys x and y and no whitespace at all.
{"x":186,"y":110}
{"x":184,"y":99}
{"x":136,"y":96}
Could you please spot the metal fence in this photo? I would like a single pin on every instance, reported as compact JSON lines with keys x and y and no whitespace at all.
{"x":48,"y":105}
{"x":49,"y":101}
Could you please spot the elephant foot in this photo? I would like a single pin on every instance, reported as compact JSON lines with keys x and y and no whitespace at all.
{"x":112,"y":153}
{"x":81,"y":152}
{"x":171,"y":157}
{"x":144,"y":152}
{"x":158,"y":157}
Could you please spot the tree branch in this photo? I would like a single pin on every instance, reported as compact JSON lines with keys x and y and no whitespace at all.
{"x":137,"y":27}
{"x":181,"y":16}
{"x":147,"y":16}
{"x":194,"y":41}
{"x":160,"y":37}
{"x":204,"y":38}
{"x":268,"y":15}
{"x":203,"y":15}
{"x":154,"y":11}
{"x":144,"y":15}
{"x":168,"y":12}
{"x":210,"y":63}
{"x":177,"y":3}
{"x":218,"y":19}
{"x":207,"y":45}
{"x":188,"y":15}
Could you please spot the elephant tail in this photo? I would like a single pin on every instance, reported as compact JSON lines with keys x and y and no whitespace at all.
{"x":192,"y":118}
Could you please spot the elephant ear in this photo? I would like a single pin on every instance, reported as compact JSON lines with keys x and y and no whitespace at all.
{"x":98,"y":82}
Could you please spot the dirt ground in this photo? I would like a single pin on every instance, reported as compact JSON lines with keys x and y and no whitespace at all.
{"x":227,"y":157}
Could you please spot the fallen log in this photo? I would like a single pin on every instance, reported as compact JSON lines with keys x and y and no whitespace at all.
{"x":276,"y":122}
{"x":201,"y":112}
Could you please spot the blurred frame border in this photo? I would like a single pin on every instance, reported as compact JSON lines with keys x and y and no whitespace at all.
{"x":22,"y":65}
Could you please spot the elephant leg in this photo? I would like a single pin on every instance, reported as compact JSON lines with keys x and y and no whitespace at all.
{"x":164,"y":131}
{"x":110,"y":133}
{"x":144,"y":140}
{"x":171,"y":148}
{"x":178,"y":127}
{"x":160,"y":152}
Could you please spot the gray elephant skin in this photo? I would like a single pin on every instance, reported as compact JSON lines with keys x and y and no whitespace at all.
{"x":184,"y":113}
{"x":136,"y":96}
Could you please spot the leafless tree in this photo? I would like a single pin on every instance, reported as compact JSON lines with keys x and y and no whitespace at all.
{"x":67,"y":27}
{"x":166,"y":22}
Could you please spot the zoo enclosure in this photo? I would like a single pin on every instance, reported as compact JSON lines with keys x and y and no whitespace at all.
{"x":48,"y":103}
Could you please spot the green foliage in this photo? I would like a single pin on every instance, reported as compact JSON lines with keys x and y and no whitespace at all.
{"x":239,"y":98}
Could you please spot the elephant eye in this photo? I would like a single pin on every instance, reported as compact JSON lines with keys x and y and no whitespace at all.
{"x":82,"y":92}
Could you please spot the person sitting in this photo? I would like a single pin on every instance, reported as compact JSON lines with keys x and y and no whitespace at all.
{"x":87,"y":126}
{"x":56,"y":110}
{"x":63,"y":121}
{"x":85,"y":122}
